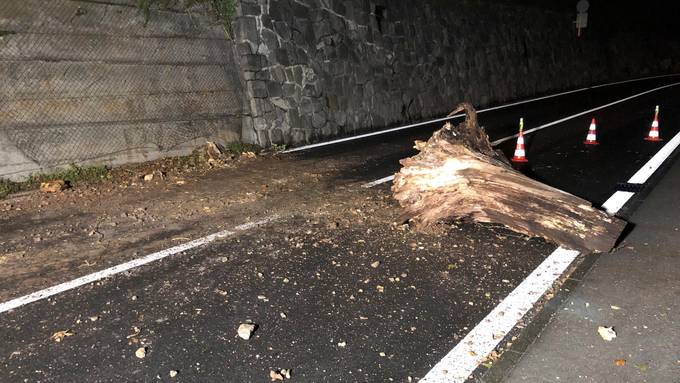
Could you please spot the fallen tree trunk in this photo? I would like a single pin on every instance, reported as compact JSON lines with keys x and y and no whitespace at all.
{"x":458,"y":175}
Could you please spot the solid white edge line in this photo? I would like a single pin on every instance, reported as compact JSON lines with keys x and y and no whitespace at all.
{"x":642,"y":175}
{"x":618,"y":199}
{"x":371,"y":134}
{"x":471,"y":351}
{"x":62,"y":287}
{"x":541,"y":127}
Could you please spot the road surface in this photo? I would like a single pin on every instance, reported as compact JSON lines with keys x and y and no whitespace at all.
{"x":342,"y":295}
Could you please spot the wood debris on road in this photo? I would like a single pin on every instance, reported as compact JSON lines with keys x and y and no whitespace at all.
{"x":458,"y":175}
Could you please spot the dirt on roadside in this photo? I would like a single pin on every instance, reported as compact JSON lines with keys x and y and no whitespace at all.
{"x":48,"y":238}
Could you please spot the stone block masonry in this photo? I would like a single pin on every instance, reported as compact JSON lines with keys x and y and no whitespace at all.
{"x":313,"y":69}
{"x":95,"y":82}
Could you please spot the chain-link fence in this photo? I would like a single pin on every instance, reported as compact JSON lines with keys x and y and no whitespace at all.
{"x":86,"y":80}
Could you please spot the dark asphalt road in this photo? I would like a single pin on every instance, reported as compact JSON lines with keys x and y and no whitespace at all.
{"x":557,"y":155}
{"x":337,"y":324}
{"x":635,"y":290}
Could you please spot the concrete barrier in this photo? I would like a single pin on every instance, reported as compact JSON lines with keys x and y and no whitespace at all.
{"x":96,"y":82}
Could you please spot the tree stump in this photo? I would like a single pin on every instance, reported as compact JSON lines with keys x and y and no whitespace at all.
{"x":458,"y":175}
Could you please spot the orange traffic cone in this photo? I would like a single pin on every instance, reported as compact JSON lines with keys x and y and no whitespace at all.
{"x":591,"y":138}
{"x":654,"y":131}
{"x":520,"y":154}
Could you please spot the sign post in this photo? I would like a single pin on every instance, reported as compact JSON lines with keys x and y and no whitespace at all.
{"x":581,"y":16}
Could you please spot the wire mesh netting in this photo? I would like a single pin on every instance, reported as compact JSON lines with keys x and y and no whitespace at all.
{"x":86,"y":80}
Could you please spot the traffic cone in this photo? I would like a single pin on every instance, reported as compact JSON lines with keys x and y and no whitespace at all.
{"x":520,"y":154}
{"x":654,"y":131}
{"x":591,"y":138}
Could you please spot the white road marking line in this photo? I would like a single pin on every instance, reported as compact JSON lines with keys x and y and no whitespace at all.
{"x":60,"y":288}
{"x":618,"y":199}
{"x":378,"y":182}
{"x":471,"y":351}
{"x":636,"y":79}
{"x":371,"y":134}
{"x":541,"y":127}
{"x":642,"y":175}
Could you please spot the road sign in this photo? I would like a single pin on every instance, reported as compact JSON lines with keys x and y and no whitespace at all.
{"x":582,"y":16}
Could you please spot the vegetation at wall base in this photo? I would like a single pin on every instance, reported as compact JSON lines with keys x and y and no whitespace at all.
{"x":72,"y":174}
{"x":8,"y":187}
{"x":197,"y":161}
{"x":238,"y":147}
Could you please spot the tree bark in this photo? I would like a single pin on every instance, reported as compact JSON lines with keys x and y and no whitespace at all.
{"x":458,"y":175}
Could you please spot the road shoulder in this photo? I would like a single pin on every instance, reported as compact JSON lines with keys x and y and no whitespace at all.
{"x":634,"y":290}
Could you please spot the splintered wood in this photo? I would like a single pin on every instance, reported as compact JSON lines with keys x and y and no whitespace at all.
{"x":458,"y":175}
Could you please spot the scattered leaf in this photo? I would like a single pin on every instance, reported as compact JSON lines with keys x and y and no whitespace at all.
{"x":282,"y":374}
{"x":136,"y":332}
{"x":620,"y":362}
{"x":275,"y":376}
{"x":60,"y":335}
{"x":53,"y":186}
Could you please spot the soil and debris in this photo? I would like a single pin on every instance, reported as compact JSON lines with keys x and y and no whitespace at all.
{"x":336,"y":270}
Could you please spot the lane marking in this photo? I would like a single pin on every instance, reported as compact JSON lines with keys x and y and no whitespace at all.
{"x":478,"y":344}
{"x":371,"y":134}
{"x":642,"y":175}
{"x":635,"y":79}
{"x":544,"y":126}
{"x":618,"y":199}
{"x":472,"y":350}
{"x":62,"y":287}
{"x":541,"y":127}
{"x":378,"y":182}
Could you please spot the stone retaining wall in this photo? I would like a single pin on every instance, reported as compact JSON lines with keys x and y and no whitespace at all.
{"x":314,"y":69}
